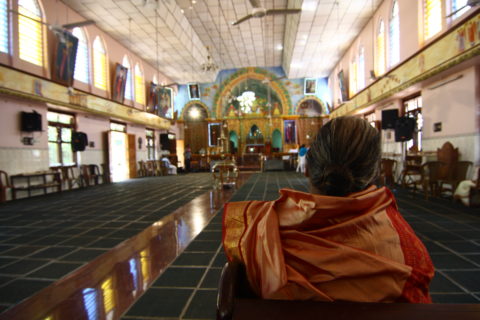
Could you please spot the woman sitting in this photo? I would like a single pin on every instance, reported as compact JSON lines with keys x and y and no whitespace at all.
{"x":343,"y":241}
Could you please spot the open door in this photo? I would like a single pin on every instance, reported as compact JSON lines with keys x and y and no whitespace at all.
{"x":132,"y":156}
{"x":118,"y":156}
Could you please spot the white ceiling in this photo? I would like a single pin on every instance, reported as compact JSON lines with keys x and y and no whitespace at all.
{"x":307,"y":44}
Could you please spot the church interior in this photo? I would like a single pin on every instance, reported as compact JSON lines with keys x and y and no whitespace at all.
{"x":126,"y":126}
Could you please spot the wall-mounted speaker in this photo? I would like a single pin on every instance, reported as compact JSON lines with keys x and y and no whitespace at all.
{"x":31,"y":121}
{"x":404,"y":128}
{"x":389,"y":117}
{"x":79,"y":141}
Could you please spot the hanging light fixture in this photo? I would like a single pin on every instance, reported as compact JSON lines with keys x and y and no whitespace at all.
{"x":209,"y":65}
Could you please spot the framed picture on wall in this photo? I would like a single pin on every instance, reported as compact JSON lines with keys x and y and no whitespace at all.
{"x":193,"y":91}
{"x":65,"y":54}
{"x":152,"y":103}
{"x":310,"y":86}
{"x":342,"y":85}
{"x":165,"y":101}
{"x":120,"y":80}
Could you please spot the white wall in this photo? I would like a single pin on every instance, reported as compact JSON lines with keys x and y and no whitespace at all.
{"x":456,"y":106}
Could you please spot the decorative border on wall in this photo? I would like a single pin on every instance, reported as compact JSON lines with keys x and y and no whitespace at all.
{"x":191,"y":103}
{"x":450,"y":50}
{"x":19,"y":84}
{"x":251,"y":73}
{"x":312,"y":97}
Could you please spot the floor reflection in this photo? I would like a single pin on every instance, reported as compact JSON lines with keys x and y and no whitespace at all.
{"x":107,"y":286}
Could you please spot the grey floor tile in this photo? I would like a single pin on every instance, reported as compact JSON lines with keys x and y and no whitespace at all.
{"x":55,"y":270}
{"x":211,"y":278}
{"x":18,"y":290}
{"x":440,"y":284}
{"x":159,"y":302}
{"x":22,"y":266}
{"x":22,"y":251}
{"x":454,"y":298}
{"x":450,"y":261}
{"x":53,"y":252}
{"x":203,"y":305}
{"x":194,"y":259}
{"x":83,"y":255}
{"x":180,"y":277}
{"x":203,"y":245}
{"x":468,"y":279}
{"x":462,"y":246}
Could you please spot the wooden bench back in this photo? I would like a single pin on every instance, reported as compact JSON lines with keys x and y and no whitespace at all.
{"x":448,"y":155}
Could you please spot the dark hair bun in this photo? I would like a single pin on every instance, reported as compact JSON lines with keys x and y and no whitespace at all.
{"x":338,"y":180}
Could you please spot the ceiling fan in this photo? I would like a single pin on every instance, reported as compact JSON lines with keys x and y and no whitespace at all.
{"x":68,"y":26}
{"x":470,"y":3}
{"x":259,"y":12}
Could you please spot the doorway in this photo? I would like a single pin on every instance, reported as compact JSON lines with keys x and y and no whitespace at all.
{"x":277,"y":141}
{"x":118,"y":156}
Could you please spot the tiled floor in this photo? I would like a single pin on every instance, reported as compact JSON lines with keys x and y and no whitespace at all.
{"x":44,"y":238}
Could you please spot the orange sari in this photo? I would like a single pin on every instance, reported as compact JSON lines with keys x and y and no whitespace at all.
{"x":306,"y":246}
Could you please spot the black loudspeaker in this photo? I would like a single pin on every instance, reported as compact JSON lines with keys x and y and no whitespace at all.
{"x":404,"y":128}
{"x":79,"y":141}
{"x":31,"y":121}
{"x":389,"y":117}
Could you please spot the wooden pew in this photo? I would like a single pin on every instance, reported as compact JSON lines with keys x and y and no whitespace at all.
{"x":237,"y":301}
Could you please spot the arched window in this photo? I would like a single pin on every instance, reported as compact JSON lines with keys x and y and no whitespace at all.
{"x":99,"y":64}
{"x":139,"y":85}
{"x":380,"y":56}
{"x":432,"y":24}
{"x":459,"y":4}
{"x":352,"y":83}
{"x":4,"y":26}
{"x":394,"y":36}
{"x":30,"y":32}
{"x":361,"y":69}
{"x":128,"y":85}
{"x":82,"y":72}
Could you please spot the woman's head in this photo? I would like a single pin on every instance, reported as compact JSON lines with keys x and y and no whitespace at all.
{"x":344,"y":157}
{"x":302,"y":146}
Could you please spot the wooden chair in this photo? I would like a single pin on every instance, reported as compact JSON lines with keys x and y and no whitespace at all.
{"x":387,"y":172}
{"x":448,"y":155}
{"x":95,"y":174}
{"x":412,"y":170}
{"x":457,"y":173}
{"x":430,"y":181}
{"x":150,"y":168}
{"x":142,"y":170}
{"x":4,"y":186}
{"x":85,"y":175}
{"x":105,"y":173}
{"x":236,"y":300}
{"x":68,"y":175}
{"x":163,"y":168}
